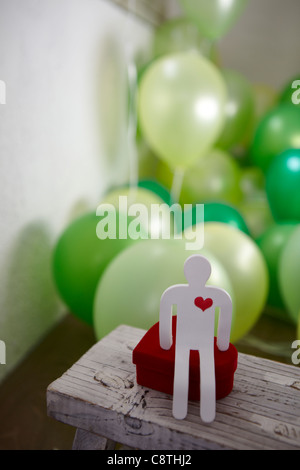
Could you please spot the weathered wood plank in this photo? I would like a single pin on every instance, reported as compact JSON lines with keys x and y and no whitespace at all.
{"x":99,"y":394}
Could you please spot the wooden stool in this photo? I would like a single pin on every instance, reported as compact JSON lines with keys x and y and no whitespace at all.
{"x":99,"y":396}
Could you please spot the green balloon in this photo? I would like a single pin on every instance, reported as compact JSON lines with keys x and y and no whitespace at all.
{"x":180,"y":35}
{"x":283,"y":186}
{"x":226,"y":214}
{"x":214,"y":177}
{"x":181,"y":107}
{"x":214,"y":18}
{"x":156,"y":188}
{"x":247,"y":271}
{"x":278,"y":131}
{"x":79,"y":260}
{"x":291,"y":92}
{"x":289,"y":274}
{"x":131,"y":288}
{"x":271,"y":244}
{"x":257,"y":214}
{"x":239,"y":109}
{"x":216,"y":212}
{"x":252,"y":183}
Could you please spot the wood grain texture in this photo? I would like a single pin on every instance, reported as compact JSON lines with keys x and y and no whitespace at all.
{"x":99,"y":394}
{"x":85,"y":440}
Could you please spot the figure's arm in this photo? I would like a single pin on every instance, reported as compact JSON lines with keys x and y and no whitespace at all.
{"x":225,"y":317}
{"x":165,"y":319}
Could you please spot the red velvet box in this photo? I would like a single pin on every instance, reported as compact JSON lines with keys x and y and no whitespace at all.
{"x":155,"y":366}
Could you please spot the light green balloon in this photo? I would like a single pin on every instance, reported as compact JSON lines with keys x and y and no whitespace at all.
{"x":180,"y":35}
{"x":181,"y":107}
{"x":214,"y":177}
{"x":150,"y":224}
{"x":271,"y":244}
{"x":247,"y":271}
{"x":239,"y":109}
{"x":289,"y":274}
{"x":214,"y":18}
{"x":131,"y":288}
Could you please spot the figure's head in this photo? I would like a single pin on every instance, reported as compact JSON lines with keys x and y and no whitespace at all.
{"x":197,"y":270}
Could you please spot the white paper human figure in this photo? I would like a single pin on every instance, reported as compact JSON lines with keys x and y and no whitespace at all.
{"x":196,"y":304}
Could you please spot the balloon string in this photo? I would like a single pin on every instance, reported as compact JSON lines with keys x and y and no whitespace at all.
{"x":132,"y":126}
{"x":177,"y":184}
{"x":132,"y":111}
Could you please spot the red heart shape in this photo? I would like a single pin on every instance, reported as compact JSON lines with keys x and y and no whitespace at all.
{"x":204,"y":304}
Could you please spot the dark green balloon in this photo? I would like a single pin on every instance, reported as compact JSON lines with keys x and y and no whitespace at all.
{"x":283,"y":186}
{"x":278,"y":131}
{"x":217,"y":212}
{"x":156,"y":188}
{"x":271,"y":244}
{"x":224,"y":213}
{"x":79,"y":261}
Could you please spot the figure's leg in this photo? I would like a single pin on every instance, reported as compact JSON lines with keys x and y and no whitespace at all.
{"x":207,"y":386}
{"x":181,"y":382}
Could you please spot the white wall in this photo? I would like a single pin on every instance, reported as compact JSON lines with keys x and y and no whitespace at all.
{"x":63,"y":63}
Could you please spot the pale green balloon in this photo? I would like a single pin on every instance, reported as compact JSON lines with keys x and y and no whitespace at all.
{"x":289,"y":274}
{"x":181,"y":107}
{"x":140,"y":204}
{"x":131,"y":288}
{"x":214,"y":18}
{"x":239,"y":109}
{"x":247,"y":271}
{"x":214,"y":177}
{"x":181,"y":35}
